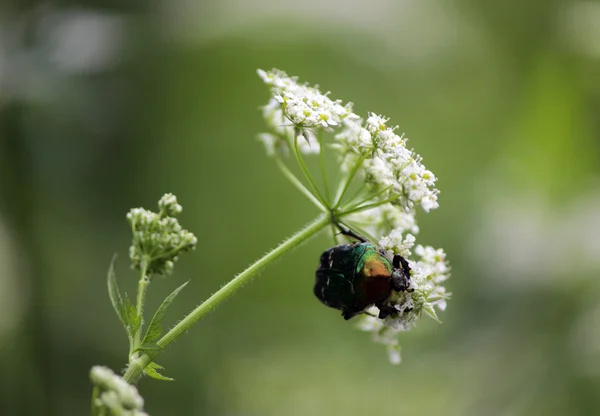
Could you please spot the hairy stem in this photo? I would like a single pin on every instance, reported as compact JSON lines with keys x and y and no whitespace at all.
{"x":136,"y":366}
{"x":296,"y":182}
{"x":95,"y":394}
{"x":345,"y":183}
{"x":365,"y":207}
{"x":307,"y":174}
{"x":139,"y":305}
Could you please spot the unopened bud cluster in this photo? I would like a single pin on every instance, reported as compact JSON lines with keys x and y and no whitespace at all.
{"x":116,"y":396}
{"x":158,"y":238}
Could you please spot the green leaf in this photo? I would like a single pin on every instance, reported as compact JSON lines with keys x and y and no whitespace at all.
{"x":150,"y":349}
{"x":431,"y":312}
{"x":151,"y":370}
{"x":113,"y":290}
{"x":155,"y":329}
{"x":156,"y":366}
{"x":132,"y":319}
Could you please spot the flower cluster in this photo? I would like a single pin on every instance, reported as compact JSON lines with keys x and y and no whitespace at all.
{"x":302,"y":105}
{"x":429,"y":269}
{"x":295,"y":111}
{"x":387,"y":165}
{"x":384,"y":210}
{"x":392,"y":165}
{"x":115,"y":395}
{"x":157,"y":237}
{"x":424,"y":296}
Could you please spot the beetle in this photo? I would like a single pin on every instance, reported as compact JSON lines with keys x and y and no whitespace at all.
{"x":352,"y":277}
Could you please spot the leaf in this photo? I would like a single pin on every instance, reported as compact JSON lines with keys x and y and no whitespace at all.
{"x":156,"y":366}
{"x":150,"y":349}
{"x":155,"y":329}
{"x":151,"y":370}
{"x":114,"y":294}
{"x":431,"y":312}
{"x":132,"y":319}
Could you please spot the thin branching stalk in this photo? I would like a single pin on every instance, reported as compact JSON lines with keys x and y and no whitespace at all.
{"x":136,"y":367}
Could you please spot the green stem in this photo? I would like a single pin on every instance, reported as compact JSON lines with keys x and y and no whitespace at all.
{"x":136,"y":366}
{"x":296,"y":182}
{"x":365,"y":207}
{"x":358,"y":193}
{"x":307,"y":174}
{"x":345,"y":183}
{"x":351,"y":204}
{"x":359,"y":229}
{"x":95,"y":394}
{"x":324,"y":170}
{"x":139,"y":305}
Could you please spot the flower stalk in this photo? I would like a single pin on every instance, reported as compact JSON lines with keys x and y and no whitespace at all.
{"x":136,"y":367}
{"x":389,"y":183}
{"x":140,"y":300}
{"x":392,"y":184}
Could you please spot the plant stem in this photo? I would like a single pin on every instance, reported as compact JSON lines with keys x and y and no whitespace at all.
{"x":324,"y":170}
{"x":95,"y":394}
{"x":345,"y":183}
{"x":307,"y":174}
{"x":136,"y":366}
{"x":139,"y":306}
{"x":296,"y":182}
{"x":365,"y":207}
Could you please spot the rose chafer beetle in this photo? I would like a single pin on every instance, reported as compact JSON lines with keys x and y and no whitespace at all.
{"x":352,"y":277}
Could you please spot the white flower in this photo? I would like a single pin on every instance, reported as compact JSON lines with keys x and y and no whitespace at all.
{"x":396,"y":243}
{"x":388,"y":163}
{"x":379,"y":220}
{"x":117,"y":394}
{"x":393,"y":351}
{"x":426,"y":293}
{"x":432,"y":263}
{"x":301,"y":105}
{"x":369,"y":322}
{"x":355,"y":136}
{"x":393,"y":182}
{"x":376,"y":123}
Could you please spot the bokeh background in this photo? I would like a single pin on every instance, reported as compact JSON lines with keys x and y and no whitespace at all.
{"x":107,"y":105}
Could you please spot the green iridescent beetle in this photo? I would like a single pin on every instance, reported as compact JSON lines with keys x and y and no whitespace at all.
{"x":352,"y":277}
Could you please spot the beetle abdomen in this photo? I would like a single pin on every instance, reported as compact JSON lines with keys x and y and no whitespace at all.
{"x":334,"y":290}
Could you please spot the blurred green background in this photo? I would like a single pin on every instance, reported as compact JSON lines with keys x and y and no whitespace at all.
{"x":107,"y":105}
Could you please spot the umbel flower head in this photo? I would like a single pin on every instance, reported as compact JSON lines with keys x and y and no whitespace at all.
{"x":390,"y":180}
{"x":385,"y":163}
{"x":157,"y":237}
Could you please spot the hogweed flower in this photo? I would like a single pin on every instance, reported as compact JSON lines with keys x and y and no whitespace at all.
{"x":382,"y":184}
{"x":391,"y":182}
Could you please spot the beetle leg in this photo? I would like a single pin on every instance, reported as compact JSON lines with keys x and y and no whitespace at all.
{"x":348,"y":314}
{"x":369,"y":313}
{"x":385,"y":310}
{"x":383,"y":314}
{"x":349,"y":233}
